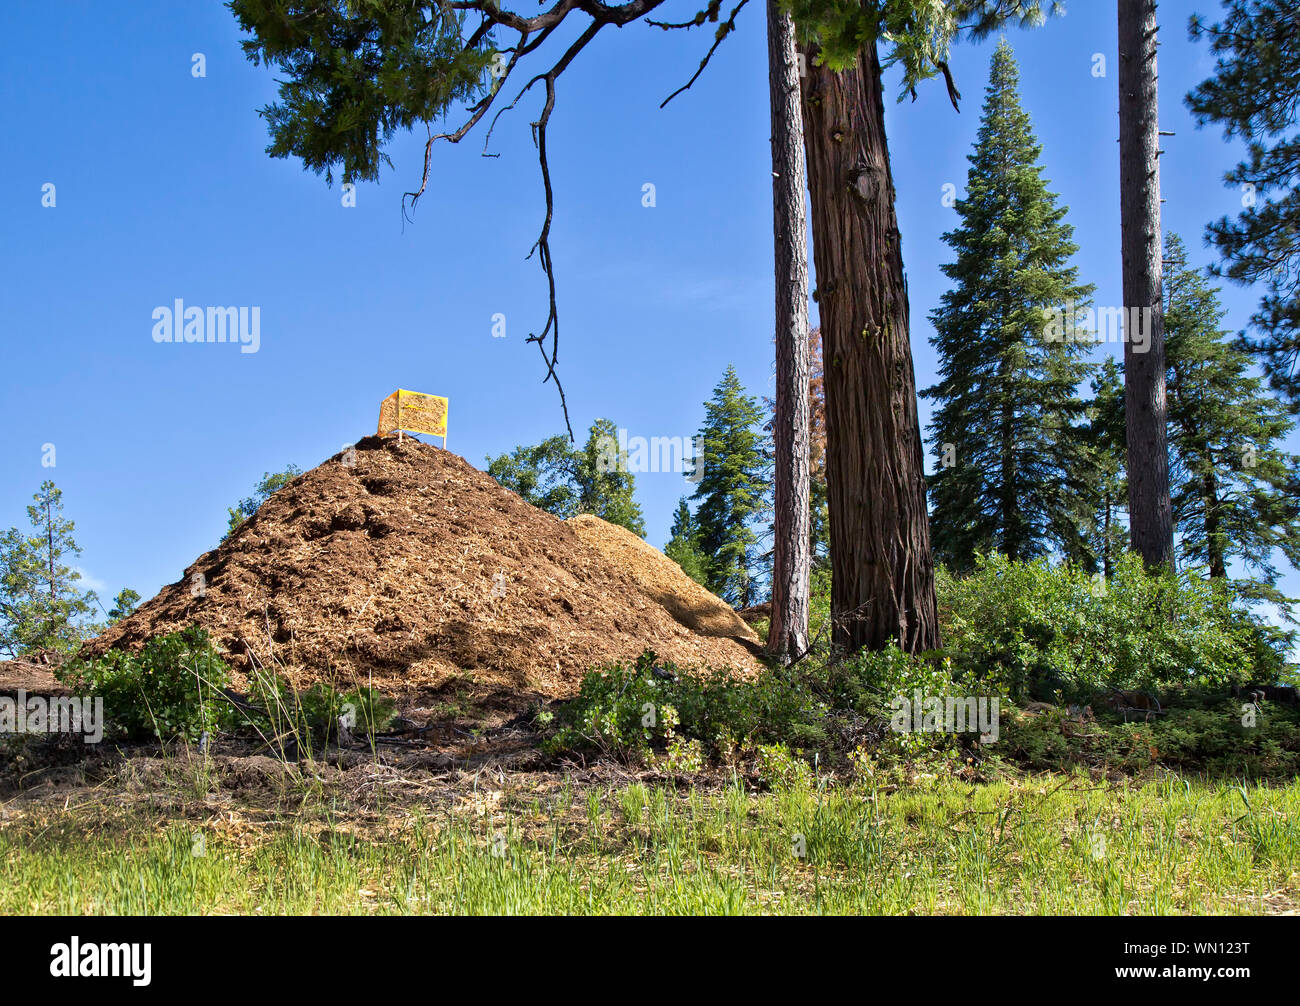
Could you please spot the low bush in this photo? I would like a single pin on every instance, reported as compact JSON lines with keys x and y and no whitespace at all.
{"x":630,"y":711}
{"x":634,"y":712}
{"x":170,"y":689}
{"x":1195,"y":734}
{"x":1034,"y":630}
{"x":173,"y":688}
{"x":1013,"y":631}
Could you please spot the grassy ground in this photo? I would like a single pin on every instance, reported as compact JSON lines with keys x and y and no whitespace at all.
{"x":542,"y":842}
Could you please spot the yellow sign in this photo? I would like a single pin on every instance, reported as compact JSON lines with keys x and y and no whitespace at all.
{"x":415,"y":413}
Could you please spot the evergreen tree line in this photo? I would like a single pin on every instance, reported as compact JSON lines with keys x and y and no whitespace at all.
{"x":718,"y":543}
{"x":1023,"y":464}
{"x":721,"y":532}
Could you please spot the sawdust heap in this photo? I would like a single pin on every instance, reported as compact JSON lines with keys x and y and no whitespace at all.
{"x":662,"y":579}
{"x":410,"y":567}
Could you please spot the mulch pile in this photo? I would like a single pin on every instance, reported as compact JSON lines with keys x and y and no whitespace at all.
{"x":662,"y":579}
{"x":408,"y":568}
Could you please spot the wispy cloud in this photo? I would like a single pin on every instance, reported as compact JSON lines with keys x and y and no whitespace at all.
{"x":90,"y":582}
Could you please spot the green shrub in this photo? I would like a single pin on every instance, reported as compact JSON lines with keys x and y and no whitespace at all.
{"x":172,"y":688}
{"x":1011,"y":630}
{"x":169,"y":689}
{"x":867,"y":681}
{"x":1030,"y":629}
{"x":630,"y":711}
{"x":778,"y":766}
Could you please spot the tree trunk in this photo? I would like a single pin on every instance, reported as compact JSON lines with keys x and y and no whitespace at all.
{"x":882,"y":572}
{"x":1215,"y":546}
{"x":1105,"y":540}
{"x":1150,"y":514}
{"x":49,"y":531}
{"x":1007,"y":448}
{"x":792,"y":551}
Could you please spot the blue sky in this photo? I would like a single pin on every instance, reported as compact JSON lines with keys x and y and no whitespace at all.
{"x":164,"y":191}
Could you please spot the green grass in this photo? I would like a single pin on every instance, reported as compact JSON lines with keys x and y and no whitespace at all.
{"x":1050,"y":844}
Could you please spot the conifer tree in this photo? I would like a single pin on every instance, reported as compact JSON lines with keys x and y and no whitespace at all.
{"x":819,"y":523}
{"x":791,"y":531}
{"x":41,"y":604}
{"x":1236,"y":493}
{"x":1013,"y":469}
{"x":1151,"y":531}
{"x":1255,"y":96}
{"x":126,"y":601}
{"x":732,"y":489}
{"x":1106,"y":536}
{"x":683,"y":545}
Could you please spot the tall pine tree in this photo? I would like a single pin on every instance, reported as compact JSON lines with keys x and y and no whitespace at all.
{"x":1106,"y":536}
{"x":791,"y":548}
{"x":1255,"y":96}
{"x":819,"y":533}
{"x":732,"y":489}
{"x":1150,"y":515}
{"x":1013,"y":468}
{"x":1236,"y":493}
{"x":41,"y":603}
{"x":683,"y":545}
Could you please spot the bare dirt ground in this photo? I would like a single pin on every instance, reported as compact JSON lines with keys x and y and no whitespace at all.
{"x":35,"y":679}
{"x":458,"y":729}
{"x":447,"y":745}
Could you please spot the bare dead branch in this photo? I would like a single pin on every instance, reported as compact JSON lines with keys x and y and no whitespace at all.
{"x":727,"y":28}
{"x":532,"y":32}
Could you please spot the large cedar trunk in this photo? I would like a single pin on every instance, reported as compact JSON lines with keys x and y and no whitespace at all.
{"x":1151,"y":525}
{"x":882,"y":571}
{"x":791,"y":550}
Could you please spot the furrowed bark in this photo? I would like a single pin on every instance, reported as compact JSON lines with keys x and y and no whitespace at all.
{"x":792,"y":548}
{"x":1151,"y":527}
{"x":882,"y":570}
